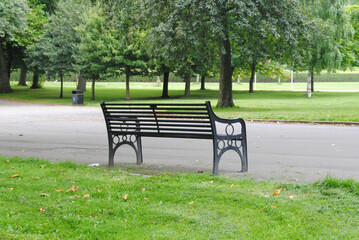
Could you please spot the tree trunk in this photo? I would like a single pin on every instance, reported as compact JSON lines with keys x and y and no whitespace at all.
{"x":9,"y":59}
{"x":127,"y":83}
{"x":22,"y":80}
{"x":93,"y":89}
{"x":312,"y":83}
{"x":4,"y":77}
{"x":203,"y":82}
{"x":187,"y":91}
{"x":62,"y":86}
{"x":165,"y":85}
{"x":253,"y":73}
{"x":35,"y":80}
{"x":309,"y":83}
{"x":225,"y":98}
{"x":81,"y":83}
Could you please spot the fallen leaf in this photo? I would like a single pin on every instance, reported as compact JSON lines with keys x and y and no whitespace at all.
{"x":37,"y":178}
{"x":12,"y":167}
{"x":200,"y":171}
{"x":163,"y":223}
{"x":45,"y":195}
{"x":264,"y":208}
{"x":74,"y":196}
{"x":42,"y":209}
{"x":181,"y":221}
{"x":246,"y":174}
{"x":100,"y":190}
{"x":74,"y":189}
{"x":60,"y":190}
{"x":15,"y":175}
{"x":125,"y":197}
{"x":274,"y":206}
{"x":7,"y":161}
{"x":85,"y":195}
{"x":277,"y":192}
{"x":146,"y":198}
{"x":154,"y":222}
{"x":125,"y":220}
{"x":185,"y":234}
{"x":291,"y":197}
{"x":97,"y":150}
{"x":143,"y":189}
{"x":11,"y":189}
{"x":231,"y":185}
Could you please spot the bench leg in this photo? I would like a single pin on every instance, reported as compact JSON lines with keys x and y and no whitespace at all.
{"x":139,"y":151}
{"x":111,"y":155}
{"x":215,"y":158}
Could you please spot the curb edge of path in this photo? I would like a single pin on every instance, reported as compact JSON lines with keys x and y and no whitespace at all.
{"x":339,"y":123}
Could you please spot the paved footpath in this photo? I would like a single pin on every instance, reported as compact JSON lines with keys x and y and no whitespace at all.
{"x":279,"y":152}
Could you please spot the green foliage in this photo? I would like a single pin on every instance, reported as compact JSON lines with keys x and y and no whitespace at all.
{"x":328,"y":29}
{"x":56,"y":50}
{"x":12,"y":18}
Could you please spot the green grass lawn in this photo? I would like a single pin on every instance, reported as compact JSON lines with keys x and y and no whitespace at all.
{"x":263,"y":104}
{"x":43,"y":200}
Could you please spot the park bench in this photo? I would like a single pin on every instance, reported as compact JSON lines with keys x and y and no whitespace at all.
{"x":127,"y":123}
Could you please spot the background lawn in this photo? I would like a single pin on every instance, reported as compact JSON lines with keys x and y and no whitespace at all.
{"x":43,"y":200}
{"x":263,"y":104}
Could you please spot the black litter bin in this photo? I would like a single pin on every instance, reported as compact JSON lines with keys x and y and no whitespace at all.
{"x":77,"y":97}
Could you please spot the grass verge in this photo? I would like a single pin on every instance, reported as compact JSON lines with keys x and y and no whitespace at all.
{"x":264,"y":104}
{"x":43,"y":200}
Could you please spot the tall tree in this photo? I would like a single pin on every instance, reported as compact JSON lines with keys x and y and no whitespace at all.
{"x":126,"y":41}
{"x":12,"y":22}
{"x":328,"y":27}
{"x":93,"y":47}
{"x":56,"y":50}
{"x":225,"y":19}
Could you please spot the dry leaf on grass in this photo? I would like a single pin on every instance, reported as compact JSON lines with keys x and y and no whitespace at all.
{"x":277,"y":192}
{"x":143,"y":189}
{"x":75,"y":196}
{"x":200,"y":171}
{"x":45,"y":195}
{"x":231,"y":185}
{"x":125,"y":197}
{"x":85,"y":195}
{"x":42,"y":209}
{"x":291,"y":197}
{"x":59,"y":190}
{"x":74,"y":189}
{"x":15,"y":175}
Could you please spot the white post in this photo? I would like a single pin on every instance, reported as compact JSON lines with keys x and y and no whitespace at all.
{"x":197,"y":78}
{"x":279,"y":80}
{"x":255,"y":81}
{"x":239,"y":78}
{"x":291,"y":80}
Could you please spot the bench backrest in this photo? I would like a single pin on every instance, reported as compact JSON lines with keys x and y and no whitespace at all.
{"x":160,"y":120}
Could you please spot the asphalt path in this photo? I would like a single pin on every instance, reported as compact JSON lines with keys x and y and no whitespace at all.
{"x":276,"y":152}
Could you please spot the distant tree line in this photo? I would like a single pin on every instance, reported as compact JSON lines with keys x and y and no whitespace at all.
{"x":223,"y":38}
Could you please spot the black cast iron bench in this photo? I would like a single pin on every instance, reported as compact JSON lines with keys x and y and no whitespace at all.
{"x":128,"y":123}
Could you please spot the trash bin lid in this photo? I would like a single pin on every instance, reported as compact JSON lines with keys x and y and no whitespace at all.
{"x":77,"y":91}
